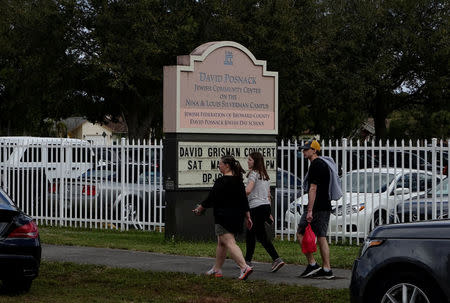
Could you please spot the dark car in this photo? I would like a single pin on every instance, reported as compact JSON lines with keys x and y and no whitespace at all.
{"x":413,"y":159}
{"x":422,"y":207}
{"x":407,"y":262}
{"x":20,"y":246}
{"x":289,"y":187}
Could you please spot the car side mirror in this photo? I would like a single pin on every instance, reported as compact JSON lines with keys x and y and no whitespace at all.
{"x":401,"y":191}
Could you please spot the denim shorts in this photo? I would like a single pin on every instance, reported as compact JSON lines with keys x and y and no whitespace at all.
{"x":319,"y":223}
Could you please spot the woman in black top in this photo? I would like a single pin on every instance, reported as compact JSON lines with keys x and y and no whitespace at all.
{"x":230,"y":207}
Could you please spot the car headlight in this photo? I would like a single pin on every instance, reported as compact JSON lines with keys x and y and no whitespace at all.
{"x":355,"y":209}
{"x":370,"y":243}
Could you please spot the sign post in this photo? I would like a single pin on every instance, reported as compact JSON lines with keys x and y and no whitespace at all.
{"x":218,"y":100}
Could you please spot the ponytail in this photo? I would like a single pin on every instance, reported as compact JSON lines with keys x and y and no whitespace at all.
{"x":235,"y":166}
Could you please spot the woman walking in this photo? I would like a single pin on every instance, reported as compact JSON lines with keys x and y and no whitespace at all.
{"x":258,"y":191}
{"x":230,"y":204}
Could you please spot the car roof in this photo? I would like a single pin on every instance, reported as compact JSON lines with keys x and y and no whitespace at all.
{"x":389,"y":170}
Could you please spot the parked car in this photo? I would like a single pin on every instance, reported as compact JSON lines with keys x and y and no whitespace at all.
{"x":32,"y":163}
{"x":354,"y":159}
{"x":289,"y":187}
{"x":20,"y":246}
{"x":371,"y":195}
{"x":406,"y":262}
{"x":413,"y":159}
{"x":134,"y":196}
{"x":421,"y":208}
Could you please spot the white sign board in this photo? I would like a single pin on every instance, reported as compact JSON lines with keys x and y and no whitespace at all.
{"x":198,"y":162}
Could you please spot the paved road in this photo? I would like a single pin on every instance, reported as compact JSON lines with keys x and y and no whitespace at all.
{"x":172,"y":263}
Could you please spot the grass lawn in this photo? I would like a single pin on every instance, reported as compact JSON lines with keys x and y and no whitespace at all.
{"x":68,"y":282}
{"x":342,"y":256}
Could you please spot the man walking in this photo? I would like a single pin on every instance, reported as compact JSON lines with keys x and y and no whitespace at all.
{"x":317,"y":184}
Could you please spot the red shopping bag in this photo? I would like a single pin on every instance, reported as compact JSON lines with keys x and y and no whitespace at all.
{"x":309,"y":241}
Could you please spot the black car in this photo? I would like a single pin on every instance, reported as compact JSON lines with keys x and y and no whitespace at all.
{"x":20,"y":247}
{"x":408,"y":262}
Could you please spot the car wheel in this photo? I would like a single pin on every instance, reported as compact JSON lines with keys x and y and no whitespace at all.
{"x":133,"y":212}
{"x":17,"y":285}
{"x":405,"y":287}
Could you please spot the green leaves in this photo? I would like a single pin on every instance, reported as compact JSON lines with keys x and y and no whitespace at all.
{"x":339,"y":62}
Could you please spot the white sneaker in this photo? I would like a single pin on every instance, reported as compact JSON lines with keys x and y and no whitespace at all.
{"x":245,"y":273}
{"x":214,"y":273}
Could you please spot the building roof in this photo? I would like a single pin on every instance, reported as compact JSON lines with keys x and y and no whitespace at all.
{"x":73,"y":122}
{"x":118,"y":126}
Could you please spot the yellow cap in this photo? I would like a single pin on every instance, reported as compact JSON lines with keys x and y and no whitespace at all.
{"x":311,"y":144}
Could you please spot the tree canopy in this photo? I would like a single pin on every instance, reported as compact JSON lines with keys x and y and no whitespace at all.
{"x":339,"y":62}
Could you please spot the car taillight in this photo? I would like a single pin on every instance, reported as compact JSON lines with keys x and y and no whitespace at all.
{"x":53,"y":188}
{"x":89,"y":190}
{"x":29,"y":230}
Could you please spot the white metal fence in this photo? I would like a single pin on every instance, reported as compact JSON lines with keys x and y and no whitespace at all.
{"x":382,"y":182}
{"x":70,"y":182}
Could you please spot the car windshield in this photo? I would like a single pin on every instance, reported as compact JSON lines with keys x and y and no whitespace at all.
{"x":5,"y":202}
{"x":360,"y":182}
{"x":288,"y":179}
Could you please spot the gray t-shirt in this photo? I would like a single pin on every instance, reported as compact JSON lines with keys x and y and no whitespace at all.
{"x":260,"y":193}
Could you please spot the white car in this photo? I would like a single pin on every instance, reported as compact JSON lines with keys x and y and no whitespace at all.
{"x":370,"y":197}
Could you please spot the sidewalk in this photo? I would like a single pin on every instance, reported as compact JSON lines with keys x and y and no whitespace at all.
{"x":288,"y":274}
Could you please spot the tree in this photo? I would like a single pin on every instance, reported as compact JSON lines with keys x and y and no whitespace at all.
{"x":35,"y":67}
{"x":398,"y":51}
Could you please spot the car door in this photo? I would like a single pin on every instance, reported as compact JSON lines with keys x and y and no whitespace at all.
{"x":411,"y":184}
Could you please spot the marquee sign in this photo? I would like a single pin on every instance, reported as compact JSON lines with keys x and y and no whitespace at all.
{"x":198,"y":162}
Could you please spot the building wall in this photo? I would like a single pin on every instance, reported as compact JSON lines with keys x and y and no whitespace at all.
{"x":95,"y":132}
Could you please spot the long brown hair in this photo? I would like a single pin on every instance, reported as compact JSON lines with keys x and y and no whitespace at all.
{"x":234,"y":164}
{"x":258,"y":165}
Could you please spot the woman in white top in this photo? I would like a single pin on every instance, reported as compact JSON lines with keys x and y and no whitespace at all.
{"x":258,"y":193}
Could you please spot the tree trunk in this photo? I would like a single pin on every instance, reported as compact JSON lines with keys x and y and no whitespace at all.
{"x":379,"y":117}
{"x":138,"y":122}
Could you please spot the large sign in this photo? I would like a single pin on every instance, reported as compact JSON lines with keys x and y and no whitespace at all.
{"x":198,"y":162}
{"x":220,"y":87}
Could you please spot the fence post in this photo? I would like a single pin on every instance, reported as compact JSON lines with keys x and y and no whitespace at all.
{"x":434,"y":170}
{"x":3,"y":160}
{"x":122,"y":181}
{"x":344,"y":182}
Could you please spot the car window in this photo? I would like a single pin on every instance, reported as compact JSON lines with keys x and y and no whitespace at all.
{"x":101,"y":173}
{"x":368,"y":183}
{"x":143,"y":177}
{"x":442,"y":189}
{"x":32,"y":154}
{"x":81,"y":154}
{"x":286,"y":177}
{"x":5,"y":202}
{"x":5,"y":152}
{"x":412,"y":181}
{"x":54,"y":154}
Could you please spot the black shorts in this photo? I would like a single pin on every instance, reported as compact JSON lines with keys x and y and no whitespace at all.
{"x":319,"y":223}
